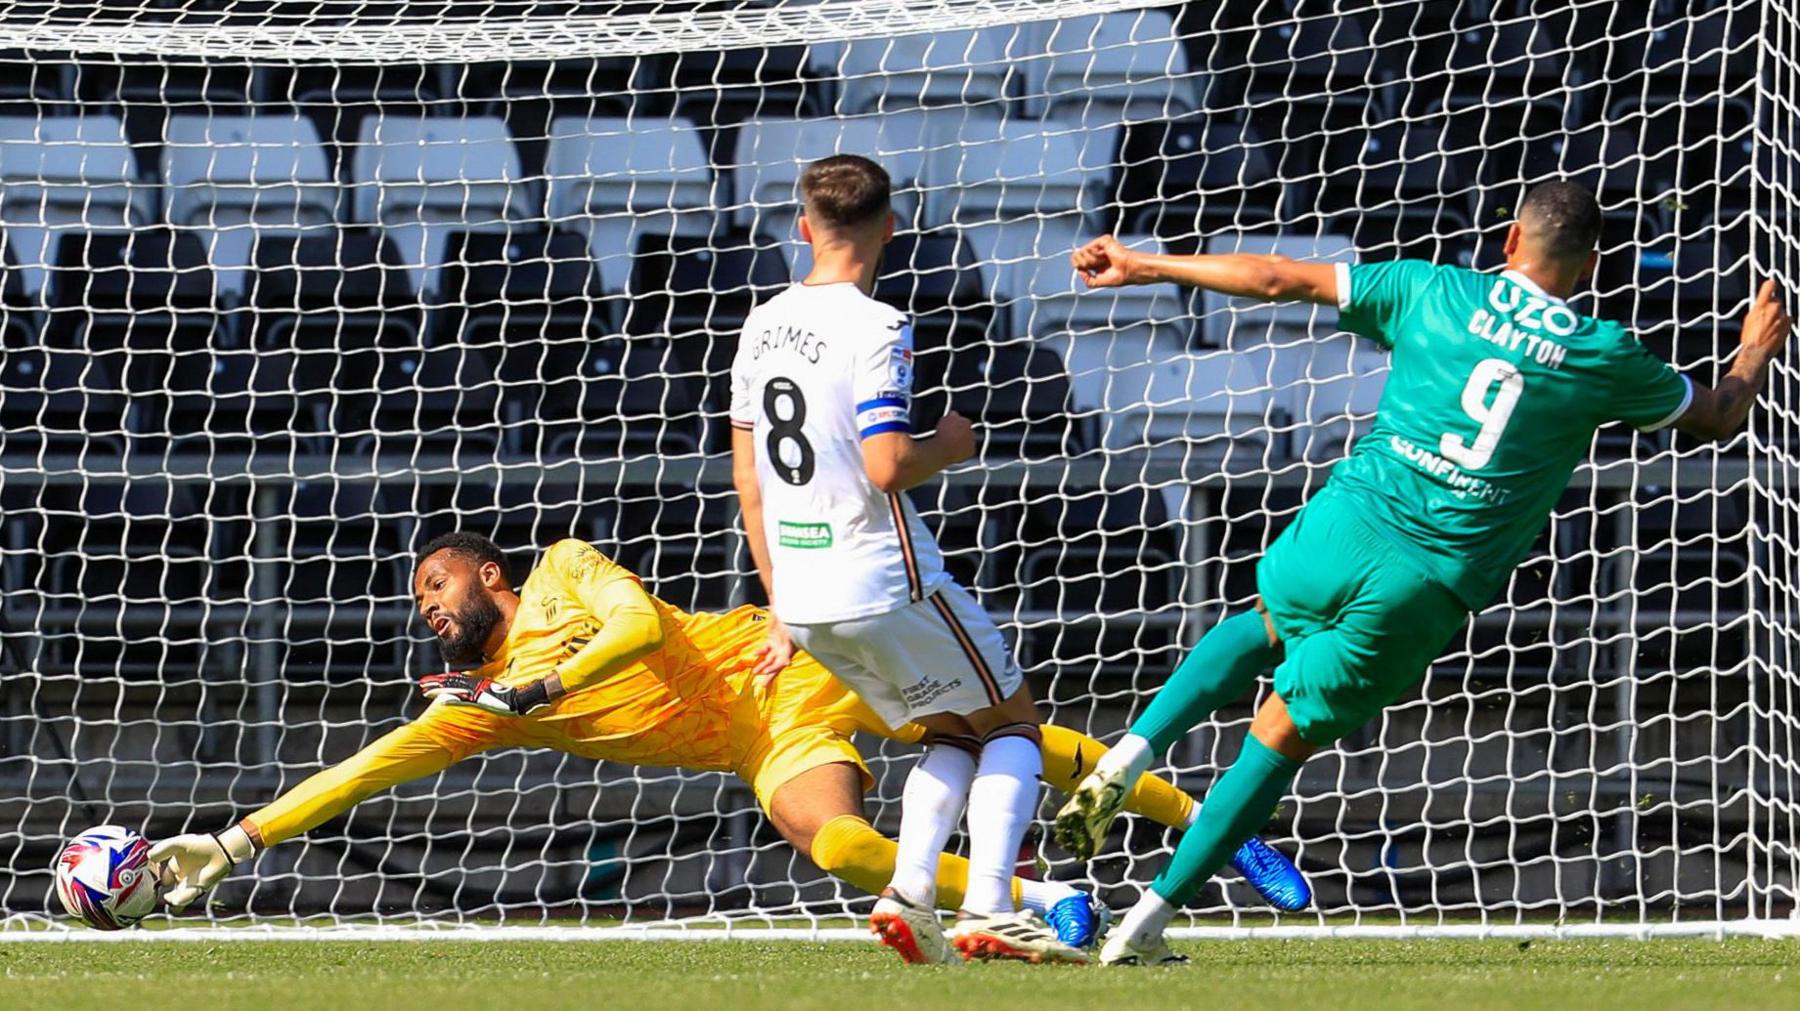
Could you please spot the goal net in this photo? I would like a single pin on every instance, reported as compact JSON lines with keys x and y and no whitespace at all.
{"x":290,"y":288}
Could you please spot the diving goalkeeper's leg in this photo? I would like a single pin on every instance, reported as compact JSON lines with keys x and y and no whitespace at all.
{"x":190,"y":865}
{"x":1221,"y":668}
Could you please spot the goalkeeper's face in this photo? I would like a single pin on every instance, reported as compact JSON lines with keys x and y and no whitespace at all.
{"x":455,"y":600}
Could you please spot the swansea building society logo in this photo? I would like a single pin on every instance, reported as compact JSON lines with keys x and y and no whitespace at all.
{"x":804,"y":535}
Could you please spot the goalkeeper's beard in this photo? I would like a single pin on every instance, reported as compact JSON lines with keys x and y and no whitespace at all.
{"x":474,"y":623}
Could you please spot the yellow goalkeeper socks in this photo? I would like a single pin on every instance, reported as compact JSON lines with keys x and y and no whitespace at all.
{"x":1070,"y":755}
{"x":848,"y":848}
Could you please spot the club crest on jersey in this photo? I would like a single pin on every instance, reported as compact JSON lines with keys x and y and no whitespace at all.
{"x":900,"y":368}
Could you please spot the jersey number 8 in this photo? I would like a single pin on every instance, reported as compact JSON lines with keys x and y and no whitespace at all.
{"x":796,"y":466}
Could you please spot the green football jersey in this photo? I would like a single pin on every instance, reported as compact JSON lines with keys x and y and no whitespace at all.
{"x":1494,"y":395}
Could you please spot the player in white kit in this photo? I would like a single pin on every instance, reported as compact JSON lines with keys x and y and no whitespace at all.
{"x":823,"y":451}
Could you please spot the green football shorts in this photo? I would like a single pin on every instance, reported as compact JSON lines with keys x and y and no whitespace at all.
{"x":1359,"y":621}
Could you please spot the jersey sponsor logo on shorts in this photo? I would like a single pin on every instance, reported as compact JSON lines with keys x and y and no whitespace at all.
{"x":928,"y":691}
{"x":803,"y":535}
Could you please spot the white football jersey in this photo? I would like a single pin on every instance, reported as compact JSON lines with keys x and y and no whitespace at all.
{"x":819,"y":368}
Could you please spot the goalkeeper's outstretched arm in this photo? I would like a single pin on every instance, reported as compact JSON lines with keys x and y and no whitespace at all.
{"x":190,"y":865}
{"x":1105,"y":263}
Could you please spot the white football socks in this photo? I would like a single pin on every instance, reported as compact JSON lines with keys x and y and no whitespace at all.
{"x":1145,"y":922}
{"x":1041,"y":895}
{"x":1132,"y":754}
{"x":1002,"y":803}
{"x":930,"y":805}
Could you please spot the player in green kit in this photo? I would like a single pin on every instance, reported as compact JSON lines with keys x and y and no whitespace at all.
{"x":1496,"y":389}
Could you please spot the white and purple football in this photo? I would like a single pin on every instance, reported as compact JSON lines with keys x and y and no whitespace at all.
{"x":104,"y":878}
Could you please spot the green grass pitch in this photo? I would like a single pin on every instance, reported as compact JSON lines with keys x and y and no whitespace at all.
{"x":1584,"y":975}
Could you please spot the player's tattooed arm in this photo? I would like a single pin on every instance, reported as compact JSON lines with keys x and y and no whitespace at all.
{"x":1106,"y":263}
{"x":1719,"y":412}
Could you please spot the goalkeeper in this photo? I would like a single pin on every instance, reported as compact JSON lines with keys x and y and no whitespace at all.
{"x":1496,"y":389}
{"x":583,"y":660}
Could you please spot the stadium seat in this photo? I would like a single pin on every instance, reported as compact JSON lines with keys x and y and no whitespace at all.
{"x":1017,"y":393}
{"x":529,"y":283}
{"x":935,"y":280}
{"x":18,"y":321}
{"x":969,"y":68}
{"x":724,"y":87}
{"x":421,"y":179}
{"x":1182,"y":179}
{"x":616,"y":180}
{"x":1328,"y":388}
{"x":695,"y":293}
{"x":347,"y":283}
{"x":1109,"y":560}
{"x":1316,"y":73}
{"x":626,"y":396}
{"x":1053,"y":303}
{"x":145,"y":91}
{"x":60,"y":400}
{"x":63,"y":174}
{"x":339,"y":96}
{"x":1402,"y":190}
{"x":440,"y":400}
{"x":236,"y":179}
{"x":1104,"y":69}
{"x":1017,"y":191}
{"x":531,"y":95}
{"x":144,"y":301}
{"x":772,"y":153}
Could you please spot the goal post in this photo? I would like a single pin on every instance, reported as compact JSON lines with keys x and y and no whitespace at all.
{"x":289,"y":289}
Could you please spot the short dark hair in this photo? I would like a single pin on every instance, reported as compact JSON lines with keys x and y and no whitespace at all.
{"x":473,"y":546}
{"x":845,"y":190}
{"x":1564,"y":216}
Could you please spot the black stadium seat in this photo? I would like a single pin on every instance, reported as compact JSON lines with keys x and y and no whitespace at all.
{"x":1180,"y":179}
{"x":694,"y":292}
{"x":343,"y":286}
{"x":519,"y":285}
{"x":625,"y":396}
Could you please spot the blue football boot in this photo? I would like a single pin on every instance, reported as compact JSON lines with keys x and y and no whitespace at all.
{"x":1079,"y":920}
{"x":1273,"y":876}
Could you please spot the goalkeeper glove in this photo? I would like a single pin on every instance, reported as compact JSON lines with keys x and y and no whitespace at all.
{"x":188,"y":866}
{"x":486,"y":693}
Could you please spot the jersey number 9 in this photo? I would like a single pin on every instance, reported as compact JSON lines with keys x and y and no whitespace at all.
{"x":1492,"y":416}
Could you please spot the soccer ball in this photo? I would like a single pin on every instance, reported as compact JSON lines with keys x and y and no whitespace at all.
{"x":104,"y":878}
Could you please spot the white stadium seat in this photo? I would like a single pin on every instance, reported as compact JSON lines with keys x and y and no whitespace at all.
{"x":60,"y":174}
{"x":963,"y":68}
{"x":234,"y":178}
{"x":1018,"y":192}
{"x":617,"y":180}
{"x":1053,"y":304}
{"x":423,"y":178}
{"x":772,"y":153}
{"x":1102,"y":68}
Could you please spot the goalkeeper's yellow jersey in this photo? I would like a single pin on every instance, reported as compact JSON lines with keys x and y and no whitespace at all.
{"x":675,"y":707}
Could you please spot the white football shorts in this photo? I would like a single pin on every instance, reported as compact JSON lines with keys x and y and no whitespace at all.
{"x":942,"y":654}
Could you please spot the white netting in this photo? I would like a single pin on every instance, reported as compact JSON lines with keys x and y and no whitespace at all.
{"x":290,"y":288}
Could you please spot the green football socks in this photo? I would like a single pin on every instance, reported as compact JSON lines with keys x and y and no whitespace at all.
{"x":1234,"y":809}
{"x":1221,"y":668}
